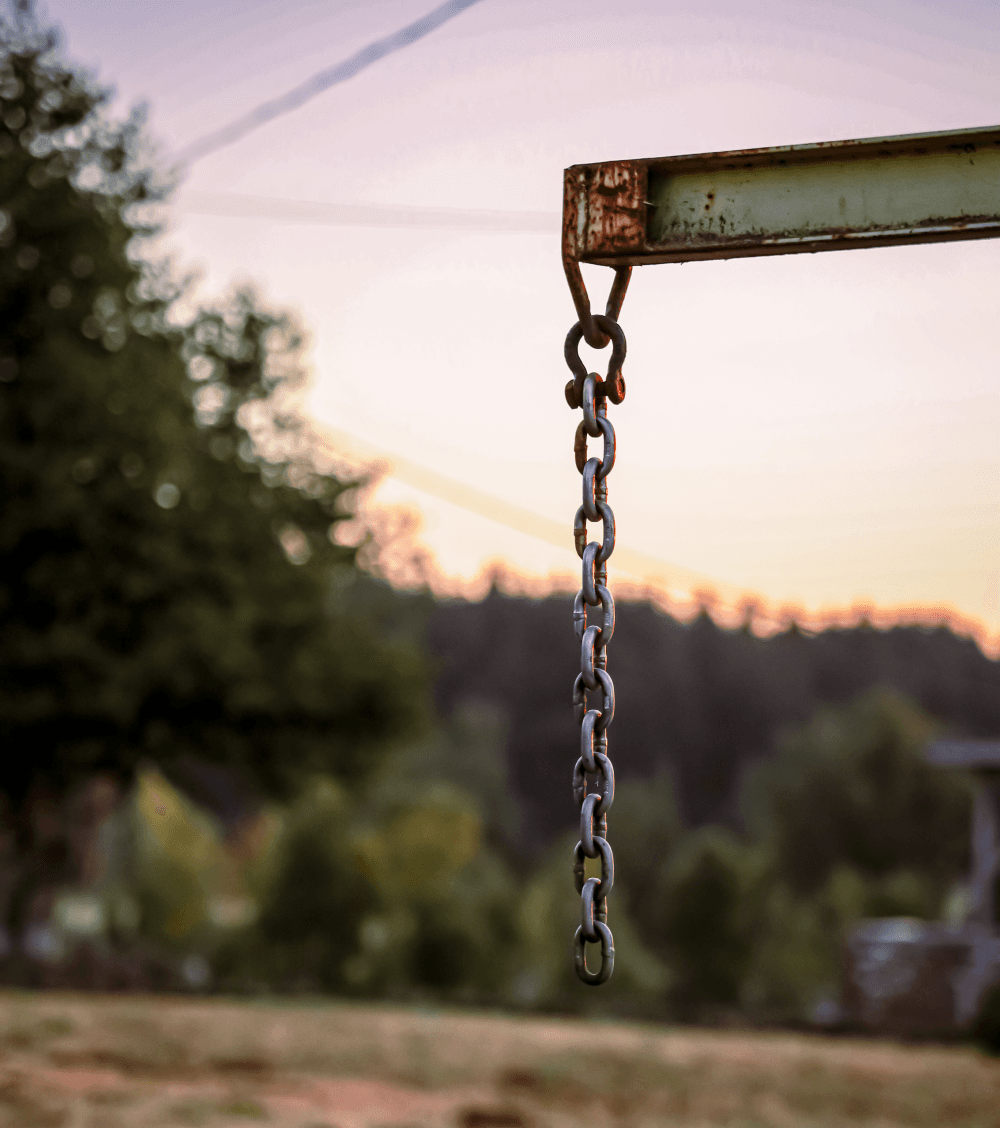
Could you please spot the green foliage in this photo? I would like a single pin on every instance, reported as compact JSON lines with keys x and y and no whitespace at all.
{"x":698,"y":700}
{"x":847,"y":820}
{"x":854,"y":788}
{"x":399,"y":889}
{"x":167,"y":583}
{"x":795,"y":957}
{"x":391,"y":889}
{"x":468,"y":750}
{"x":645,"y":827}
{"x":311,"y":906}
{"x":174,"y":865}
{"x":854,"y":823}
{"x":798,"y":939}
{"x":703,"y":892}
{"x":549,"y":915}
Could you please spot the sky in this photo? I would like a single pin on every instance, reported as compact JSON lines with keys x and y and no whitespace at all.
{"x":818,"y":431}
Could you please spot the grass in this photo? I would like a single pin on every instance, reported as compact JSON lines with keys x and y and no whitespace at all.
{"x":80,"y":1061}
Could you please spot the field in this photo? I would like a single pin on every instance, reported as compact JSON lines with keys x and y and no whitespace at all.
{"x":84,"y":1062}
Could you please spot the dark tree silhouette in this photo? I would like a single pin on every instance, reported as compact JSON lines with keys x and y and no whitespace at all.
{"x":696,"y":700}
{"x":169,"y":590}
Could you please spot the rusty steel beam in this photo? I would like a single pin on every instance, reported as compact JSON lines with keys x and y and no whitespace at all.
{"x":834,"y":196}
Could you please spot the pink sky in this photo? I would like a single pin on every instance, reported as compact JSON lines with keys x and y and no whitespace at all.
{"x":820,"y":430}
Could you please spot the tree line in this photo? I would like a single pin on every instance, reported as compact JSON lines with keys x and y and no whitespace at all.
{"x":694,"y":699}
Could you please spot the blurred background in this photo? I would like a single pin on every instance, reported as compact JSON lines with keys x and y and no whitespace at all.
{"x":286,"y":649}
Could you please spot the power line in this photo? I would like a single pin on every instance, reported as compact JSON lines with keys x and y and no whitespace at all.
{"x":423,"y":478}
{"x":366,"y":215}
{"x":642,"y":565}
{"x":323,"y":80}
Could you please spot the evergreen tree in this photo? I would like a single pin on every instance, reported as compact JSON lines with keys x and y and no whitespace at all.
{"x":854,"y":788}
{"x":168,"y":583}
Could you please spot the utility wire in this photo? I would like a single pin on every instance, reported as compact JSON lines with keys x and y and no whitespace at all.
{"x":323,"y":80}
{"x":642,"y":565}
{"x":366,"y":215}
{"x":423,"y":478}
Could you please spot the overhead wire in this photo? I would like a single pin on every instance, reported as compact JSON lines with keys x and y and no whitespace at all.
{"x":365,"y":215}
{"x":642,"y":565}
{"x":447,"y":489}
{"x":291,"y":100}
{"x":429,"y":481}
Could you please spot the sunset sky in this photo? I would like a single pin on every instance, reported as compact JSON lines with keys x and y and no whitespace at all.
{"x":820,"y":430}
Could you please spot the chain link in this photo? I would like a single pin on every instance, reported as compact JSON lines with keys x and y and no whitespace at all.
{"x":593,"y":775}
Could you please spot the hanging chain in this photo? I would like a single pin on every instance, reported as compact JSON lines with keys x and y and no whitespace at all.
{"x":593,"y":776}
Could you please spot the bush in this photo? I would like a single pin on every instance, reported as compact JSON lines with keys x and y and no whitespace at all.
{"x":703,"y":891}
{"x":855,"y":788}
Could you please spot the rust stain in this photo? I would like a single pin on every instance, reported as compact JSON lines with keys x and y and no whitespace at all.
{"x":962,"y":141}
{"x":616,"y":207}
{"x":604,"y":209}
{"x":689,"y":236}
{"x":606,"y":217}
{"x":574,"y":191}
{"x":687,"y":245}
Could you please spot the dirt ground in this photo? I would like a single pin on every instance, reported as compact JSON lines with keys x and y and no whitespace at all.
{"x":124,"y":1062}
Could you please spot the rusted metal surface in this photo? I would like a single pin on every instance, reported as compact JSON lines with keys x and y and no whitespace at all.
{"x":605,"y":206}
{"x":613,"y":385}
{"x":919,"y":188}
{"x":589,"y":323}
{"x":604,"y":209}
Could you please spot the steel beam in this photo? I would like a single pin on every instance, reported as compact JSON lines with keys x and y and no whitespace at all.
{"x":834,"y":196}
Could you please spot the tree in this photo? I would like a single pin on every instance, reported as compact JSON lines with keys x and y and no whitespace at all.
{"x":702,"y":896}
{"x":168,"y":582}
{"x":394,"y":890}
{"x":646,"y":829}
{"x":853,"y":788}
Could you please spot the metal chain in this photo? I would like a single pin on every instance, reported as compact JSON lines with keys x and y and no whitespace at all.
{"x":593,"y":775}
